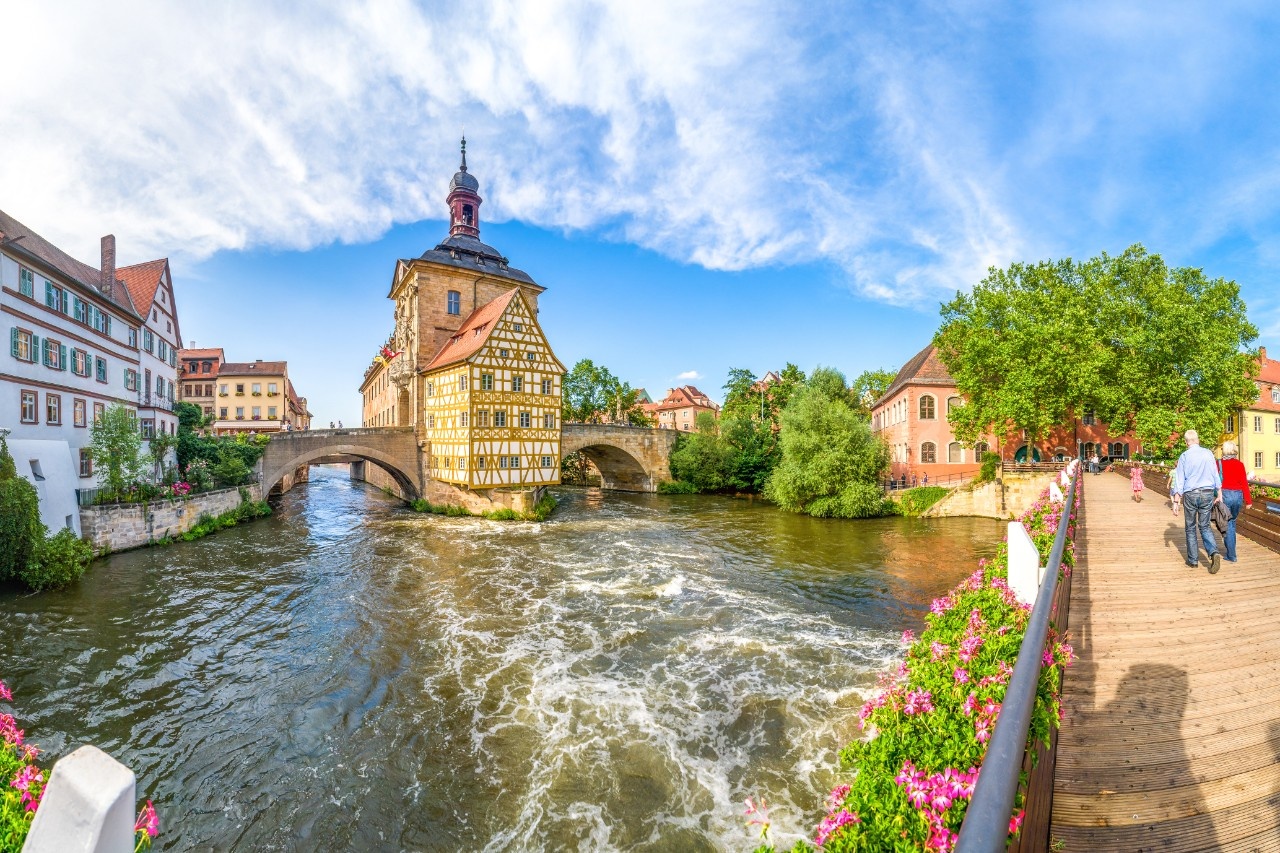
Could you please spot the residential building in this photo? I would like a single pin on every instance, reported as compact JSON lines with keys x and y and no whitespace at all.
{"x":74,"y":348}
{"x":257,"y":396}
{"x":150,"y":288}
{"x":198,"y":377}
{"x":1256,"y":428}
{"x":476,"y":377}
{"x":681,"y":407}
{"x":911,"y":417}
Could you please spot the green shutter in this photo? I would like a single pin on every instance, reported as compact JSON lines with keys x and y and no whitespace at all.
{"x":13,"y":341}
{"x":35,"y":348}
{"x":62,"y":356}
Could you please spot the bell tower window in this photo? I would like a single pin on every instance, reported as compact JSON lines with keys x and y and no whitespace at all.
{"x":468,"y":214}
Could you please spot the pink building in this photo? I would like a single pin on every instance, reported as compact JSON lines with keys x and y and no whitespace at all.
{"x":911,"y":417}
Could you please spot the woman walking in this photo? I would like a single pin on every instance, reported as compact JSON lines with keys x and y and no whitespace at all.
{"x":1135,"y":480}
{"x":1235,"y":494}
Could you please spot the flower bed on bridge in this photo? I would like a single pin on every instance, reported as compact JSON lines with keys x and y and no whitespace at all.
{"x":928,"y":727}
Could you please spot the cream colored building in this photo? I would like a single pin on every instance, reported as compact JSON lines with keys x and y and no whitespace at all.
{"x":257,"y":396}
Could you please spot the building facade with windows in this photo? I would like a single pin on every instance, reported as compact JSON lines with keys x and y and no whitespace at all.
{"x":150,"y":288}
{"x":476,"y":377}
{"x":1256,"y":429}
{"x":911,"y":418}
{"x":198,"y":377}
{"x":680,"y":408}
{"x":74,"y":348}
{"x":257,"y":396}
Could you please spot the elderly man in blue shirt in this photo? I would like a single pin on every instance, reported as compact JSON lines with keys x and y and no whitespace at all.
{"x":1197,"y":485}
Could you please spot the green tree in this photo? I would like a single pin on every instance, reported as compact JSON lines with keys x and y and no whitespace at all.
{"x":831,"y":462}
{"x":742,"y":399}
{"x":1145,"y":347}
{"x":21,"y":531}
{"x":591,"y":394}
{"x":701,"y":457}
{"x":869,"y":387}
{"x":116,"y":448}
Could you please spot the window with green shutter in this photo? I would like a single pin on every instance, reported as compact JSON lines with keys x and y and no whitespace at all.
{"x":50,"y":295}
{"x":13,"y":342}
{"x":26,"y":283}
{"x":77,"y":309}
{"x":62,"y":356}
{"x":101,"y":366}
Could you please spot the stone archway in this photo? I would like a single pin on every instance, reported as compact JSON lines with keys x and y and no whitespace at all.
{"x":630,"y":459}
{"x":619,"y":470}
{"x":393,"y":450}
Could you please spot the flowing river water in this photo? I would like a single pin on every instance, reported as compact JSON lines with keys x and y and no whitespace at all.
{"x":347,"y":675}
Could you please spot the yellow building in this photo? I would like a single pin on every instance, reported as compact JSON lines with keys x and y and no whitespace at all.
{"x":475,"y":376}
{"x":257,"y":396}
{"x":493,"y":401}
{"x":1257,"y":431}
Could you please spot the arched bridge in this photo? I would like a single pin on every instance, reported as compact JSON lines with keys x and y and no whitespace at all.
{"x":393,"y":449}
{"x":630,"y":459}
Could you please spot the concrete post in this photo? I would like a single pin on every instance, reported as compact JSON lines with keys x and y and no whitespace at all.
{"x":87,"y":806}
{"x":1024,"y":564}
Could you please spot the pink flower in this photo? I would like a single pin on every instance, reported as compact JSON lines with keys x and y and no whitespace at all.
{"x":833,"y":822}
{"x":918,"y":702}
{"x":4,"y":693}
{"x":938,"y":650}
{"x":9,"y":731}
{"x":837,"y":796}
{"x":1015,"y":822}
{"x":940,"y":606}
{"x":149,"y":822}
{"x":961,"y":676}
{"x":28,"y":775}
{"x":970,"y":705}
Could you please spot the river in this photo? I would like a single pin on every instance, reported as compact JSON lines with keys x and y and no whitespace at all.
{"x":348,"y":675}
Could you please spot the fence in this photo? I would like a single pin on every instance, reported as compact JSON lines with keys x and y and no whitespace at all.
{"x":986,"y":823}
{"x":93,"y":496}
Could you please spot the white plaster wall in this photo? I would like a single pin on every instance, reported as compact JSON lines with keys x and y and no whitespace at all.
{"x":58,"y":505}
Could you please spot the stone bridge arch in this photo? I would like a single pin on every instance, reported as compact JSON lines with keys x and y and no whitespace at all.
{"x":630,"y":459}
{"x":393,"y":449}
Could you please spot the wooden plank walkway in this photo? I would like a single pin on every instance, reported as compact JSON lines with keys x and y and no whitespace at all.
{"x":1171,"y":731}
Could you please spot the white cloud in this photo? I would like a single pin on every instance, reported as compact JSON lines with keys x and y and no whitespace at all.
{"x":912,"y":148}
{"x":689,"y":374}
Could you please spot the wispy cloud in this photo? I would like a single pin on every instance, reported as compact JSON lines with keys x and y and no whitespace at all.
{"x":689,"y":374}
{"x":911,"y":147}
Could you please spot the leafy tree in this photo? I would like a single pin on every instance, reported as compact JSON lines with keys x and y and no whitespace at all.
{"x":160,"y":445}
{"x":21,"y":531}
{"x":741,"y":397}
{"x":1147,"y":348}
{"x":116,"y":448}
{"x":831,"y":462}
{"x":591,"y":394}
{"x":869,"y":387}
{"x":701,"y":457}
{"x":57,"y":561}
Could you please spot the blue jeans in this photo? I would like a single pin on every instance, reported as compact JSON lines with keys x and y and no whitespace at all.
{"x":1234,"y":499}
{"x":1195,"y":516}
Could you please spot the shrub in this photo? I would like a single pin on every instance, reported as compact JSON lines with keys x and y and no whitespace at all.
{"x":21,"y":531}
{"x":931,"y":721}
{"x":58,"y":560}
{"x":676,"y":487}
{"x":990,"y":465}
{"x":916,"y":502}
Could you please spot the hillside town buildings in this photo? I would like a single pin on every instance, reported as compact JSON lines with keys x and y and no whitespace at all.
{"x":468,"y":366}
{"x":198,"y":377}
{"x":680,"y":408}
{"x":1256,"y":428}
{"x":81,"y":338}
{"x":911,"y":418}
{"x":258,"y":397}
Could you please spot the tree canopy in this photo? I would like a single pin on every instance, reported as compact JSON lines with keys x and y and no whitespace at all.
{"x":592,"y":394}
{"x":830,"y":462}
{"x":1145,"y":347}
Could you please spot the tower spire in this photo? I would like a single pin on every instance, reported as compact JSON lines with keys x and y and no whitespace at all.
{"x":464,"y":201}
{"x":463,"y":167}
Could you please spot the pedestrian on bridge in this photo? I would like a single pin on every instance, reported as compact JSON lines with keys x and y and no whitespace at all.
{"x":1197,"y":487}
{"x":1135,"y":480}
{"x":1235,"y":494}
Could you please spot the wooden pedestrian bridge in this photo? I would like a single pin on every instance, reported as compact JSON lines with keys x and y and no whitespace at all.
{"x":1171,"y":731}
{"x":1170,"y":737}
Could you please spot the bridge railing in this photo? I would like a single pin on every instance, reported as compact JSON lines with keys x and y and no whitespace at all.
{"x":986,"y":822}
{"x":298,"y":433}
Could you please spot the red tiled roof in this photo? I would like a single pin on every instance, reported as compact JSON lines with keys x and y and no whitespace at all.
{"x":473,"y":332}
{"x":21,"y":240}
{"x":254,"y":368}
{"x":143,"y":280}
{"x":203,"y":353}
{"x":924,"y":368}
{"x":684,"y":397}
{"x":1268,"y":378}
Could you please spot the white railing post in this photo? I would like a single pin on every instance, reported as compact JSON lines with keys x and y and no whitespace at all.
{"x":1024,"y":564}
{"x":87,"y":807}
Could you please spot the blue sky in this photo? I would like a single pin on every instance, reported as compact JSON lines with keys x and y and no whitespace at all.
{"x":699,"y":185}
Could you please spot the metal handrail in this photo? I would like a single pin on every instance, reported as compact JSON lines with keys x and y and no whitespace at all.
{"x":986,"y":822}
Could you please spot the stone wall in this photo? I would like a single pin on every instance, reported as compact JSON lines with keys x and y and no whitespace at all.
{"x":1020,"y":491}
{"x":125,"y":526}
{"x":478,"y":501}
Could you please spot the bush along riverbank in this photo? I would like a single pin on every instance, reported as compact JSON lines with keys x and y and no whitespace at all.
{"x":927,"y":729}
{"x":540,"y":512}
{"x":22,"y":785}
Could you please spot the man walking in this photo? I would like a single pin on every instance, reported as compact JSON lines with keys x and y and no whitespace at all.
{"x":1197,"y":486}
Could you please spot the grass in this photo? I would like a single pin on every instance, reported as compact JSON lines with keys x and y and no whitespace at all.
{"x":541,"y":510}
{"x":916,"y":502}
{"x":211,"y":524}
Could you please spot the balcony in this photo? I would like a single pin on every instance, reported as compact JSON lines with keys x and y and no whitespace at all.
{"x":155,"y":401}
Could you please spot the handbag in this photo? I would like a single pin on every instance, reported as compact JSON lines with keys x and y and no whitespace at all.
{"x":1220,"y":516}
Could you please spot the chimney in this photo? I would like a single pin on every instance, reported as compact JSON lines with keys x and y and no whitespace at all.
{"x":1262,"y":353}
{"x":108,"y":283}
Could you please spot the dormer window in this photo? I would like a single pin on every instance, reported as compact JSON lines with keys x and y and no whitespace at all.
{"x":1275,"y":395}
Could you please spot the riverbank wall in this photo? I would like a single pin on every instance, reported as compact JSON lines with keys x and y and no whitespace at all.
{"x":1008,"y":496}
{"x":120,"y":527}
{"x":518,"y":500}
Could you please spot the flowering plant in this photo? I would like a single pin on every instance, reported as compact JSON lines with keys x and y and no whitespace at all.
{"x":22,"y":785}
{"x":930,"y":722}
{"x":181,"y":489}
